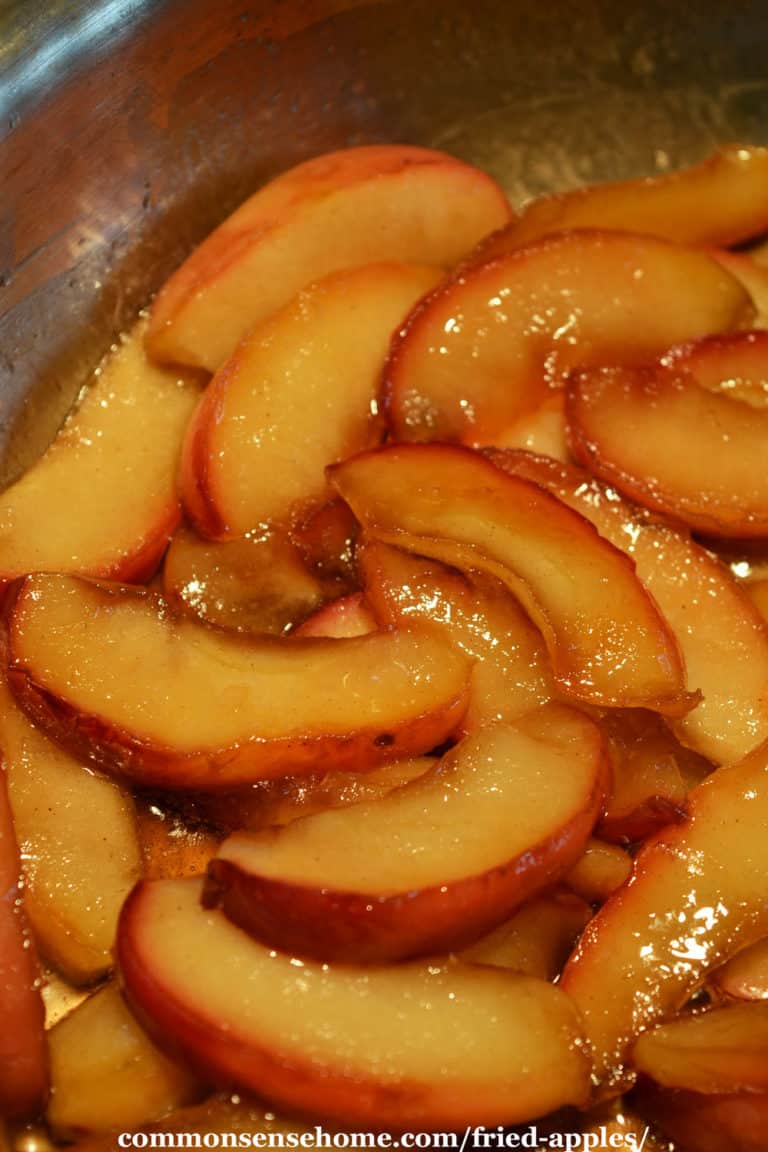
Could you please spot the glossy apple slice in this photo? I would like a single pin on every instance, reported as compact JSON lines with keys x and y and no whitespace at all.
{"x":170,"y":702}
{"x":601,"y":870}
{"x":431,"y":866}
{"x":106,"y":1073}
{"x":80,"y":851}
{"x":753,"y":276}
{"x":341,"y":210}
{"x":258,"y":583}
{"x":340,"y":619}
{"x":326,"y":541}
{"x":734,"y":365}
{"x":537,"y":940}
{"x":745,"y":976}
{"x":510,"y":674}
{"x":721,"y":1051}
{"x":673,"y":446}
{"x":718,"y":202}
{"x":307,"y":377}
{"x":416,"y":1046}
{"x":103,"y":500}
{"x":542,"y":430}
{"x":23,"y":1057}
{"x":723,"y":643}
{"x":647,"y":788}
{"x":697,"y":896}
{"x":606,"y":639}
{"x":484,"y":349}
{"x":757,"y":591}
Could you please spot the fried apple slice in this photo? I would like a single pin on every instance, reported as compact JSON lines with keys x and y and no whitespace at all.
{"x":718,"y":202}
{"x":510,"y":674}
{"x":753,"y":276}
{"x":484,"y":349}
{"x":697,"y":896}
{"x":23,"y":1057}
{"x":258,"y":583}
{"x":431,"y":866}
{"x":537,"y":940}
{"x":340,"y":619}
{"x":745,"y":976}
{"x":342,"y":210}
{"x":607,"y":641}
{"x":308,"y":376}
{"x":723,"y":643}
{"x":106,"y":1073}
{"x":673,"y":446}
{"x":600,"y":871}
{"x":102,"y":500}
{"x":757,"y":591}
{"x":80,"y":854}
{"x":720,"y":1051}
{"x":542,"y":430}
{"x":420,"y":1046}
{"x":647,"y":789}
{"x":734,"y":365}
{"x":170,"y":702}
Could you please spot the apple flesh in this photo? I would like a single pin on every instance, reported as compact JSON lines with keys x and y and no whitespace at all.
{"x":342,"y":210}
{"x":720,"y":1051}
{"x":415,"y":1046}
{"x":23,"y":1057}
{"x":450,"y":504}
{"x":745,"y":976}
{"x":485,"y":348}
{"x":696,"y":897}
{"x":600,"y":871}
{"x":722,"y":640}
{"x":673,"y":446}
{"x":102,"y":500}
{"x":734,"y":365}
{"x":80,"y":850}
{"x":258,"y":583}
{"x":718,"y":202}
{"x":308,"y":376}
{"x":510,"y":674}
{"x":169,"y":702}
{"x":106,"y":1073}
{"x":537,"y":940}
{"x":393,"y":878}
{"x":341,"y":619}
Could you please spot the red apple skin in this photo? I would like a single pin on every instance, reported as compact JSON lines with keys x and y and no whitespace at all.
{"x":199,"y":505}
{"x":342,"y":618}
{"x":141,"y":566}
{"x":23,"y":1056}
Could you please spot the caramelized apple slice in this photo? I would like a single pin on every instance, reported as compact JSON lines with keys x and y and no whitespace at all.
{"x":80,"y":855}
{"x":431,"y":866}
{"x":308,"y":376}
{"x":106,"y":1073}
{"x":23,"y":1058}
{"x":341,"y":210}
{"x":483,"y":349}
{"x":258,"y":583}
{"x":326,"y":540}
{"x":607,"y":641}
{"x":721,"y":1051}
{"x":718,"y":202}
{"x":510,"y":675}
{"x":170,"y":702}
{"x":734,"y":365}
{"x":723,"y":643}
{"x":757,"y":591}
{"x":102,"y":500}
{"x":745,"y":976}
{"x":542,"y":430}
{"x":419,"y":1046}
{"x":647,"y":789}
{"x":673,"y":446}
{"x":340,"y":619}
{"x":753,"y":276}
{"x":537,"y":939}
{"x":696,"y":897}
{"x":600,"y":871}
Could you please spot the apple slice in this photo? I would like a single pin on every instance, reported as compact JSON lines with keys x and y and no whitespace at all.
{"x":753,"y":276}
{"x":719,"y":202}
{"x":170,"y":702}
{"x":483,"y":349}
{"x":734,"y":365}
{"x":106,"y":1073}
{"x":23,"y":1058}
{"x":723,"y":1050}
{"x":757,"y":591}
{"x":510,"y":674}
{"x":745,"y":976}
{"x":699,"y":1123}
{"x":341,"y":619}
{"x":542,"y":430}
{"x":722,"y":640}
{"x":326,"y":541}
{"x":647,"y":790}
{"x":258,"y":583}
{"x":394,"y":878}
{"x":607,"y":641}
{"x":102,"y":500}
{"x":308,"y":376}
{"x":341,"y":210}
{"x":80,"y":854}
{"x":600,"y":871}
{"x":697,"y":896}
{"x":537,"y":940}
{"x":419,"y":1046}
{"x":673,"y":446}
